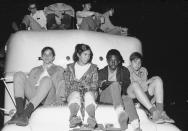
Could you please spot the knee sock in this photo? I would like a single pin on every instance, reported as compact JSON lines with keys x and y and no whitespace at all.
{"x":28,"y":110}
{"x":20,"y":104}
{"x":74,"y":108}
{"x":90,"y":109}
{"x":130,"y":108}
{"x":159,"y":106}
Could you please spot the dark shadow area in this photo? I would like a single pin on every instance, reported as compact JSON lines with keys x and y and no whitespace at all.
{"x":1,"y":94}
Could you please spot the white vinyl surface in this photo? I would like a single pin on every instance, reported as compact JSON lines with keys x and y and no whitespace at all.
{"x":23,"y":50}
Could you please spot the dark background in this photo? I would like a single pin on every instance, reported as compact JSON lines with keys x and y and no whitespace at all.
{"x":158,"y":24}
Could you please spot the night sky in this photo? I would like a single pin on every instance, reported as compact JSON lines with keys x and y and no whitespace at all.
{"x":159,"y":25}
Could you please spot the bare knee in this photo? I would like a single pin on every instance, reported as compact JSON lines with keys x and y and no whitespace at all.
{"x":19,"y":74}
{"x":135,"y":86}
{"x":157,"y":80}
{"x":89,"y":99}
{"x":89,"y":95}
{"x":74,"y":97}
{"x":132,"y":88}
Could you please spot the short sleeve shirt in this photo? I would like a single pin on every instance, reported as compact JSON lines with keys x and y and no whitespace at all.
{"x":139,"y":76}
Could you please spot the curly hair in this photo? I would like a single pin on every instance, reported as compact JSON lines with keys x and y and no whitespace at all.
{"x":115,"y":53}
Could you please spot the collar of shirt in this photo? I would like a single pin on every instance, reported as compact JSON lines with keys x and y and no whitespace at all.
{"x":112,"y":75}
{"x":47,"y":66}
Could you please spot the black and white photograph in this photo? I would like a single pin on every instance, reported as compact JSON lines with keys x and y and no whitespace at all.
{"x":93,"y":65}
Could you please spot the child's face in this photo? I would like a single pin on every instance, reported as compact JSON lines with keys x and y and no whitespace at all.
{"x":136,"y":64}
{"x":84,"y":57}
{"x":87,"y":6}
{"x":48,"y":57}
{"x":32,"y":8}
{"x":113,"y":62}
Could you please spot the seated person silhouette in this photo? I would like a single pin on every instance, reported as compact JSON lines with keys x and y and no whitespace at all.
{"x":59,"y":21}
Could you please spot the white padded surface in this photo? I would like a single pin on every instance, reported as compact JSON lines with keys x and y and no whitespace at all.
{"x":23,"y":50}
{"x":24,"y":47}
{"x":57,"y":118}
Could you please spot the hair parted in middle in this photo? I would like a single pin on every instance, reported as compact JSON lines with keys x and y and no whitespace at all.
{"x":48,"y":48}
{"x":79,"y":48}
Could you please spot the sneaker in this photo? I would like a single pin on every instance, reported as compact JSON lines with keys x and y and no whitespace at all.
{"x":166,"y":118}
{"x":156,"y":117}
{"x":123,"y":120}
{"x":92,"y":122}
{"x":159,"y":121}
{"x":75,"y":121}
{"x":13,"y":120}
{"x":22,"y":120}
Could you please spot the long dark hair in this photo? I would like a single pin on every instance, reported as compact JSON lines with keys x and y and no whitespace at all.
{"x":79,"y":48}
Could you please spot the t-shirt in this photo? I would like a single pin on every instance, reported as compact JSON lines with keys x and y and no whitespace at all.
{"x":112,"y":75}
{"x":80,"y":70}
{"x":44,"y":73}
{"x":139,"y":76}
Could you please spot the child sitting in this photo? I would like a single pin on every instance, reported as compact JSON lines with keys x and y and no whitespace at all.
{"x":82,"y":82}
{"x":153,"y":87}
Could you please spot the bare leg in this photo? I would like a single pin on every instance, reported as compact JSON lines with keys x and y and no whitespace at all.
{"x":115,"y":90}
{"x":90,"y":107}
{"x":74,"y":104}
{"x":19,"y":84}
{"x":135,"y":91}
{"x":156,"y":88}
{"x":42,"y":92}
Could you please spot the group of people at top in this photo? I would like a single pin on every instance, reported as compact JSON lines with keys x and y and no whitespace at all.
{"x":60,"y":16}
{"x":82,"y":85}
